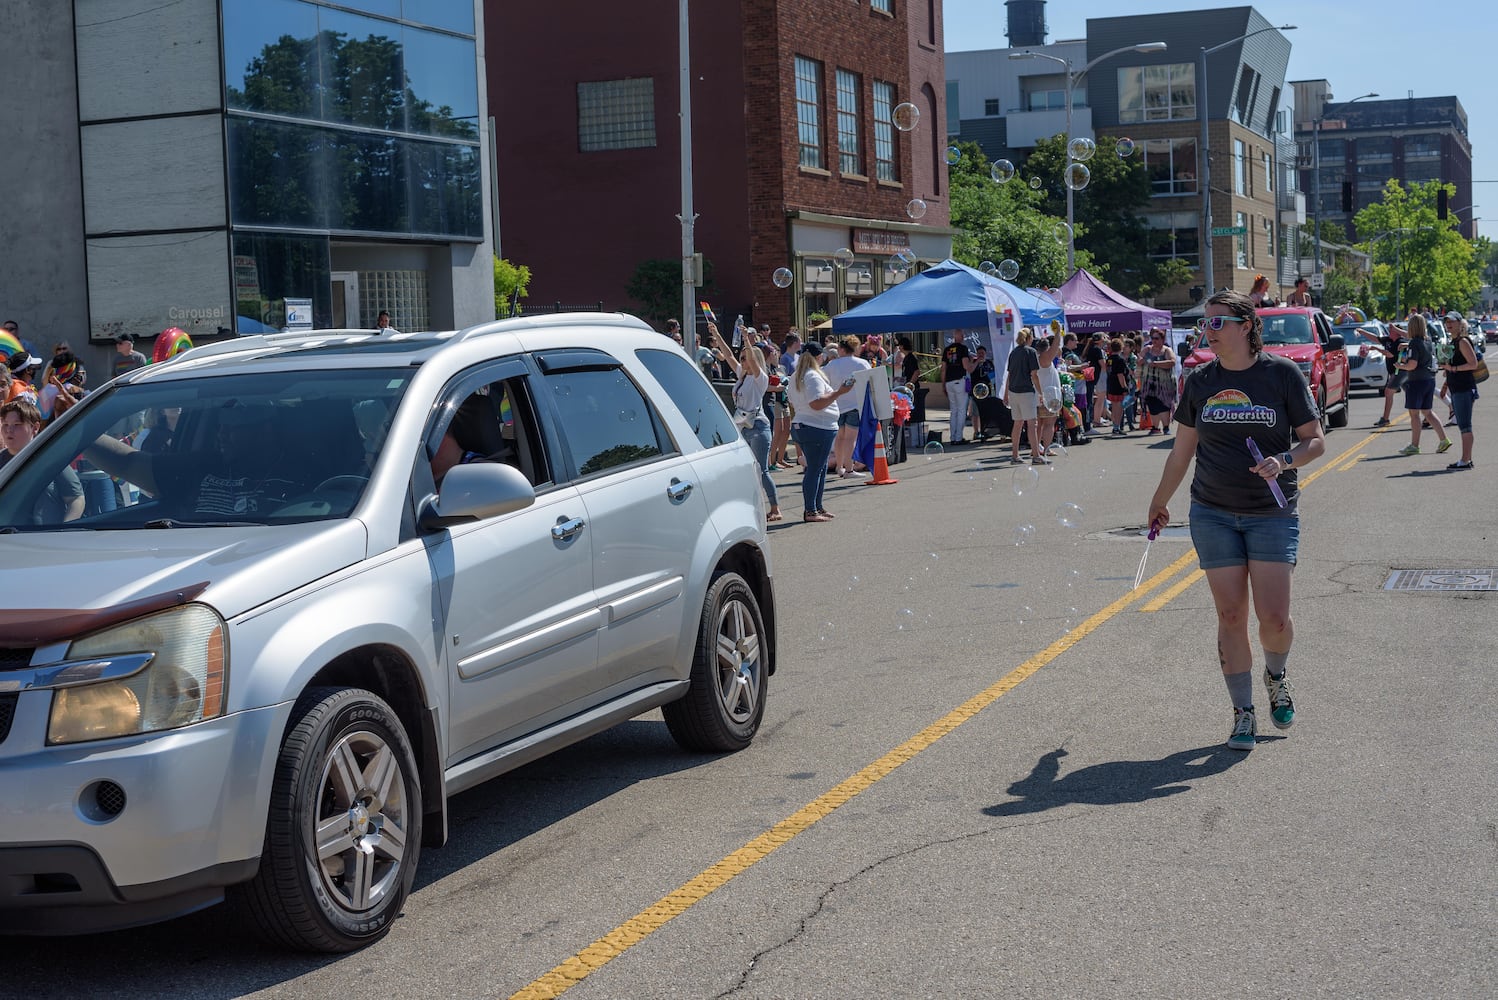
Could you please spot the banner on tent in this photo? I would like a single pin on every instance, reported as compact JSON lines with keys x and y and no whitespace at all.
{"x":1001,"y":330}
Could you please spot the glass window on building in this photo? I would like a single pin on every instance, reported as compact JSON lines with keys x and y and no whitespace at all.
{"x":1268,"y":173}
{"x":809,"y":111}
{"x":991,"y":107}
{"x":1242,"y":241}
{"x":402,"y":294}
{"x":1269,"y":236}
{"x":883,"y":6}
{"x":1174,"y":235}
{"x":616,"y":114}
{"x":886,"y":168}
{"x":1375,"y":150}
{"x":1240,"y":167}
{"x":1422,"y":147}
{"x":271,"y":268}
{"x":819,"y":282}
{"x":1333,"y":151}
{"x":1157,"y":93}
{"x":849,"y":146}
{"x":1171,"y":166}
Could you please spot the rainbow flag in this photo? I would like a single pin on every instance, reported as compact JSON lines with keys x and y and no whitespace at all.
{"x":66,"y":372}
{"x":9,"y":345}
{"x":707,"y":311}
{"x":506,"y":414}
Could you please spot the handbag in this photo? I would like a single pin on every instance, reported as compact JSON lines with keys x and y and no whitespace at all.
{"x":1480,"y":373}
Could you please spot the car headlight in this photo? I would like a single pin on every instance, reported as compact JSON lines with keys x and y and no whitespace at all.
{"x":184,"y":683}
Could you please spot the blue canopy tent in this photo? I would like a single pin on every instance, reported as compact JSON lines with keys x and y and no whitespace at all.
{"x":949,"y":296}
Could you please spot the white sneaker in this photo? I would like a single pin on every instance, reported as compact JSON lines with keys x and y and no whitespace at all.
{"x":854,"y":474}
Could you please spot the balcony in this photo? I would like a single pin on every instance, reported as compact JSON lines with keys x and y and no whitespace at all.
{"x":1292,"y":207}
{"x":1024,"y":128}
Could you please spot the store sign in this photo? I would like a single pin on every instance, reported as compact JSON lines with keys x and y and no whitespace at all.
{"x":298,"y":314}
{"x":879,"y":241}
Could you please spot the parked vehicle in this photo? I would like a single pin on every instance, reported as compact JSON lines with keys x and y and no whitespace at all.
{"x":1365,"y":364}
{"x":359,"y":575}
{"x":1490,"y":331}
{"x":1305,"y":336}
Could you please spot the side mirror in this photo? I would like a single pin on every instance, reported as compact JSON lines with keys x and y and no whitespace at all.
{"x":1335,"y":342}
{"x":474,"y":492}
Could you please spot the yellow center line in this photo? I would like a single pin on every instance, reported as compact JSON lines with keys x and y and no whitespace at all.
{"x":637,"y":928}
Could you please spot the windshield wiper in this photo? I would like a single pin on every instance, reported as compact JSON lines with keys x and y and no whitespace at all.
{"x":168,"y":522}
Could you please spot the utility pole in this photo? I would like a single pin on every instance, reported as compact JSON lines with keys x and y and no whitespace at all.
{"x":688,"y":218}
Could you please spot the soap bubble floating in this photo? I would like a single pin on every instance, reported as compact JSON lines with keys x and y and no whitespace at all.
{"x":1124,"y":148}
{"x":1081,"y":149}
{"x":1008,"y":269}
{"x":1024,"y":534}
{"x":1002,"y":171}
{"x":1077,"y":176}
{"x":954,"y":156}
{"x":782,"y":277}
{"x":932,"y":450}
{"x":1069,"y":515}
{"x":905,"y":116}
{"x":915,"y":208}
{"x":842,"y":257}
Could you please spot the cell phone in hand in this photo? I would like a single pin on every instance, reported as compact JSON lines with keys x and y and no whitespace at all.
{"x":849,"y":382}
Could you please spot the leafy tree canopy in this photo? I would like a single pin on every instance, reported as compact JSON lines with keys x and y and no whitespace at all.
{"x":1419,"y":260}
{"x":510,"y":284}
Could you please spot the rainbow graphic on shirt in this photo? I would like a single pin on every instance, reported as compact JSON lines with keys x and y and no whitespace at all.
{"x":9,"y":345}
{"x":1232,"y":406}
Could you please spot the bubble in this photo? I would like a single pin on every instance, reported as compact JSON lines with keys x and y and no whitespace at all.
{"x":905,"y":116}
{"x":954,"y":156}
{"x":1081,"y":149}
{"x":932,"y":450}
{"x":904,"y":620}
{"x":1124,"y":148}
{"x":1070,"y":578}
{"x":932,"y":556}
{"x":1024,"y":534}
{"x":1026,"y":614}
{"x":905,"y":255}
{"x":1069,"y":515}
{"x":1035,"y":183}
{"x":1024,"y":479}
{"x":1077,"y":176}
{"x":1008,"y":269}
{"x":842,"y":257}
{"x":1063,"y":233}
{"x":988,"y":267}
{"x":1002,"y":171}
{"x":915,"y":208}
{"x":1052,"y":399}
{"x":1060,"y":449}
{"x":782,"y":277}
{"x":853,"y":583}
{"x":1102,"y":473}
{"x":828,"y":632}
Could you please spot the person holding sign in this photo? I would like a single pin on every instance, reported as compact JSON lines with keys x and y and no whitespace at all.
{"x":1244,"y":518}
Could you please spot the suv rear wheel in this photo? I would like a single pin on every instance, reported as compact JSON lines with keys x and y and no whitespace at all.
{"x":344,"y":830}
{"x":722,"y":709}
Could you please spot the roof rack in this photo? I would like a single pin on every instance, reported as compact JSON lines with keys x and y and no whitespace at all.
{"x":552,"y":320}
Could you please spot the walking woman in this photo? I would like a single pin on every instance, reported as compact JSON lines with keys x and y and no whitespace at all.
{"x":1420,"y":386}
{"x":814,"y":427}
{"x":1022,"y":396}
{"x":749,"y":395}
{"x":1246,"y":540}
{"x":1157,"y":383}
{"x":1462,"y":384}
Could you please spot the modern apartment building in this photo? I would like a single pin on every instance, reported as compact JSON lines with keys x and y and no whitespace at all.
{"x":794,"y":148}
{"x":233,"y":166}
{"x":1156,"y":99}
{"x":1364,"y":143}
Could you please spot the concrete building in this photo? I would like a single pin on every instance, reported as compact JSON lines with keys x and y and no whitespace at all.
{"x":794,"y":151}
{"x":1153,"y":99}
{"x":1366,"y":143}
{"x":235,"y":165}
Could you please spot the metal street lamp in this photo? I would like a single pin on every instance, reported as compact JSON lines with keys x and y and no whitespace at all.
{"x":1316,"y":176}
{"x":1206,"y":171}
{"x":1071,"y":82}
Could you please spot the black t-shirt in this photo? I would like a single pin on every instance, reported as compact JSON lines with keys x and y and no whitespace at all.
{"x":951,"y":362}
{"x":910,"y":368}
{"x":1265,"y":401}
{"x":1097,"y":358}
{"x":1393,"y":345}
{"x":1425,"y":360}
{"x":1461,"y":381}
{"x":1022,"y":361}
{"x":1118,"y":375}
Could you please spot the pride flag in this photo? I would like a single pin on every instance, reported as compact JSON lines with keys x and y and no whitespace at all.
{"x":9,"y":345}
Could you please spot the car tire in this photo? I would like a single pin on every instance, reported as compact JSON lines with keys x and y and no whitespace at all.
{"x":1339,"y":418}
{"x":1321,"y":411}
{"x":722,"y":709}
{"x":345,"y":755}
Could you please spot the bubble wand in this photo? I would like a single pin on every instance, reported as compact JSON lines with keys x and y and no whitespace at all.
{"x":1148,"y":541}
{"x":1274,"y":486}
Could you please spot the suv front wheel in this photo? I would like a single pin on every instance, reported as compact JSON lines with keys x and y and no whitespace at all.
{"x":344,"y":829}
{"x":722,"y":709}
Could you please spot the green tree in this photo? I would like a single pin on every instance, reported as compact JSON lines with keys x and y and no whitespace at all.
{"x":1004,"y":221}
{"x":656,"y":286}
{"x":1419,"y":260}
{"x":511,"y":282}
{"x":1107,"y":210}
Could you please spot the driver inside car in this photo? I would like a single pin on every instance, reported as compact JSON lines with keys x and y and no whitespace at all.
{"x":476,"y":434}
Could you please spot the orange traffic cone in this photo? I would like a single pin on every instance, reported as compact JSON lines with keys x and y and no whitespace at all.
{"x":1144,"y":419}
{"x":881,"y":467}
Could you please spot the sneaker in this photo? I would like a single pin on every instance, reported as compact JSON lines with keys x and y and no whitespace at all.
{"x":1443,"y":447}
{"x":1245,"y":735}
{"x":1281,"y":706}
{"x":1459,"y":466}
{"x":1381,"y":422}
{"x":1409,"y":449}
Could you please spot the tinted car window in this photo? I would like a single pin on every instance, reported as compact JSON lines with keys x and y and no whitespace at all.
{"x":693,"y":396}
{"x":605,"y":421}
{"x":1289,"y":328}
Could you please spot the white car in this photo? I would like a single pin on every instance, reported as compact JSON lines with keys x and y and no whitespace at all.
{"x":1365,"y":363}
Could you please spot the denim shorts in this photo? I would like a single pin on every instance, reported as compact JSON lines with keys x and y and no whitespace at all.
{"x":1461,"y":408}
{"x":849,"y":418}
{"x":1420,"y":395}
{"x":1224,"y":539}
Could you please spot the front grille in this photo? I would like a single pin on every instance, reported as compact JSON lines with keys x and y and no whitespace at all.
{"x":7,"y":713}
{"x":15,"y":659}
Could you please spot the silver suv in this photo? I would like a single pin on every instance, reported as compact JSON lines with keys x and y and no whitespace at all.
{"x":322,"y":582}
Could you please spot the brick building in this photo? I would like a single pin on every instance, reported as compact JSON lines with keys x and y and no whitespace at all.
{"x":794,"y":154}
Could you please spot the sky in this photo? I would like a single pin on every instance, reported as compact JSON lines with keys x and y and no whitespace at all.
{"x":1385,"y":46}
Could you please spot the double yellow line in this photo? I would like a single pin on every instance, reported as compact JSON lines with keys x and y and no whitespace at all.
{"x":655,"y":916}
{"x":1341,"y":463}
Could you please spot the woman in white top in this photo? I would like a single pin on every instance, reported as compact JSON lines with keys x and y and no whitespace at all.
{"x":840,"y":369}
{"x":1049,"y":349}
{"x":749,"y":411}
{"x":814,"y":426}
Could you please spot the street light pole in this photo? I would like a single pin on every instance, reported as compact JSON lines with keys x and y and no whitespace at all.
{"x":1071,"y":84}
{"x":1205,"y":173}
{"x":1316,"y":176}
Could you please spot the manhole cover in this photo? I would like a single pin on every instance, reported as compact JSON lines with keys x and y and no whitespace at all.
{"x":1436,"y":580}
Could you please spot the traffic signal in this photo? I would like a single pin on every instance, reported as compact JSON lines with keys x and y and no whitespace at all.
{"x":1441,"y":204}
{"x":1347,"y":197}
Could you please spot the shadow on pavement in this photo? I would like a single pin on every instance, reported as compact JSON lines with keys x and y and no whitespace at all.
{"x":1113,"y":783}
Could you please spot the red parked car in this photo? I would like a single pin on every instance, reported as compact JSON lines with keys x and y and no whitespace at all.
{"x":1305,"y":336}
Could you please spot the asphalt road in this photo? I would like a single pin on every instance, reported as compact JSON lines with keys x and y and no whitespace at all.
{"x":1077,"y":830}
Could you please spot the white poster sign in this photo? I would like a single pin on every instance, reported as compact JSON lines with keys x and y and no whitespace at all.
{"x":298,"y":314}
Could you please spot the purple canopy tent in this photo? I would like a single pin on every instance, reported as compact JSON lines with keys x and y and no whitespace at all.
{"x":1093,"y":307}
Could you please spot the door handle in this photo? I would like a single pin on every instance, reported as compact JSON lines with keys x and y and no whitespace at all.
{"x":567,"y":527}
{"x":678,"y":490}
